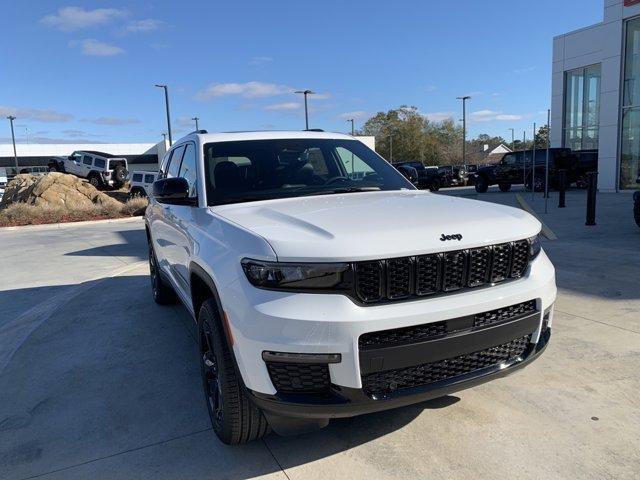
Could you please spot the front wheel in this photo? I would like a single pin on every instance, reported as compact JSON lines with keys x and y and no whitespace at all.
{"x":435,"y":186}
{"x":162,"y":293}
{"x":94,"y":180}
{"x":482,"y":185}
{"x":234,"y":418}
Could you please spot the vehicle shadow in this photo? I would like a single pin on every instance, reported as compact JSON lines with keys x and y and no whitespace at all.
{"x":133,"y":244}
{"x":106,"y":384}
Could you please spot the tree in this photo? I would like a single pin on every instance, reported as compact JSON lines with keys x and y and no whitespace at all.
{"x":542,"y":136}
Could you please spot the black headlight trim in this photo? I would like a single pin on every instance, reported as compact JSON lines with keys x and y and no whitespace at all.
{"x":299,"y":277}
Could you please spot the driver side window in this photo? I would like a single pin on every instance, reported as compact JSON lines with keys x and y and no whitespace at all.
{"x":355,"y":167}
{"x":509,"y":160}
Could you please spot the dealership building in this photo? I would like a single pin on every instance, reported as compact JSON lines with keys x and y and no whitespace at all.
{"x":596,"y":93}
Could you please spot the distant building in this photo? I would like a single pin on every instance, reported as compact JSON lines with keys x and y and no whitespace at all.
{"x":495,"y":155}
{"x":596,"y":93}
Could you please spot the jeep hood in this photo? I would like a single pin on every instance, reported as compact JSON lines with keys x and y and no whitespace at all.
{"x":370,"y":225}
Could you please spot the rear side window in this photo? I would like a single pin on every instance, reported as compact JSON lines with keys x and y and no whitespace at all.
{"x":99,"y":163}
{"x":174,"y":164}
{"x":148,"y":178}
{"x":137,"y":177}
{"x":188,"y":169}
{"x":86,"y":160}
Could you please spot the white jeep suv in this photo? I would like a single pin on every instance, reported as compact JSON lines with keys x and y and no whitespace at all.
{"x":325,"y":285}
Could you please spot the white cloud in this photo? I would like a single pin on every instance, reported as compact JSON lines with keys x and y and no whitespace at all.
{"x":143,"y":26}
{"x":438,"y":116}
{"x":490,"y":116}
{"x":113,"y":121}
{"x":246,"y":90}
{"x":35,"y":114}
{"x":356,"y":115}
{"x":80,"y":133}
{"x":75,"y":18}
{"x":520,"y":71}
{"x":96,"y":48}
{"x":284,"y":106}
{"x":260,"y":61}
{"x":321,"y":96}
{"x":431,"y":88}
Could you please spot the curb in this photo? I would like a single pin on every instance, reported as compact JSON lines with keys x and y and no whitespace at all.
{"x":54,"y":226}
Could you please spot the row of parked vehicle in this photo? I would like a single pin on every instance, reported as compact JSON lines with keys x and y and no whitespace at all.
{"x":435,"y":177}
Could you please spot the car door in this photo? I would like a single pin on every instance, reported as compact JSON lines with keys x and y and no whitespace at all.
{"x":166,"y":229}
{"x":183,"y":216}
{"x":72,"y":165}
{"x":85,"y":167}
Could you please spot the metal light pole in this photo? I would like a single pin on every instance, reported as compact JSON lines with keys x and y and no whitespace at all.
{"x":166,"y":102}
{"x":195,"y":119}
{"x":306,"y":109}
{"x":513,"y":138}
{"x":464,"y":127}
{"x":11,"y":118}
{"x":533,"y":164}
{"x":546,"y":165}
{"x":390,"y":148}
{"x":524,"y":159}
{"x":353,"y":131}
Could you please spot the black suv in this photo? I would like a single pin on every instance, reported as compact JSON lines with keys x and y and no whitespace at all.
{"x":427,"y":177}
{"x":515,"y":168}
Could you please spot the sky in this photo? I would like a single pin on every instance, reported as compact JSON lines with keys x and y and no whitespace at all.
{"x":85,"y":71}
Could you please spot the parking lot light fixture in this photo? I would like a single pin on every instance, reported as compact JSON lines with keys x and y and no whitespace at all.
{"x":195,"y":119}
{"x":513,"y":138}
{"x":353,"y":131}
{"x":306,"y":93}
{"x":11,"y":118}
{"x":464,"y":127}
{"x":166,"y":103}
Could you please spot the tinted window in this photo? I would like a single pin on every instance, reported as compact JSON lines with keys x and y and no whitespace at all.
{"x":253,"y":170}
{"x":174,"y":164}
{"x":149,"y":178}
{"x":188,"y":169}
{"x":86,"y":160}
{"x":99,"y":163}
{"x":137,"y":177}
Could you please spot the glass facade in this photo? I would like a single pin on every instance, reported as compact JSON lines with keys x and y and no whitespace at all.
{"x":582,"y":108}
{"x":630,"y":142}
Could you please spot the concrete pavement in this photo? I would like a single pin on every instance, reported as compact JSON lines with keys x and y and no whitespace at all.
{"x":99,"y":382}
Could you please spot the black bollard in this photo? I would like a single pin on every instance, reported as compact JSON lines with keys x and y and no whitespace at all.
{"x":562,"y":181}
{"x":591,"y":198}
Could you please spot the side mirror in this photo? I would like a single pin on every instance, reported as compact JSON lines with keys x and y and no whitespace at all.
{"x":173,"y":191}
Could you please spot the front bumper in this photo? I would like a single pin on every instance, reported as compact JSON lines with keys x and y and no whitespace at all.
{"x":348,"y":402}
{"x":262,"y":320}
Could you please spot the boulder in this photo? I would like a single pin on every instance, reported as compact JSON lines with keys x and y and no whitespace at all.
{"x":55,"y":190}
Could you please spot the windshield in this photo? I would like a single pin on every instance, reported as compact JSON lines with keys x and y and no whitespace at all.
{"x":251,"y":170}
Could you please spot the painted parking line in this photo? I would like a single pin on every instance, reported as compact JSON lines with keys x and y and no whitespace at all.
{"x":546,"y":231}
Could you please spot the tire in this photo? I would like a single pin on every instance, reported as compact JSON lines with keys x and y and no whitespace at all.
{"x":482,"y":185}
{"x":119,"y":174}
{"x":95,"y":181}
{"x":163,"y":293}
{"x":504,"y":187}
{"x":435,"y":186}
{"x":53,"y":168}
{"x":234,"y":418}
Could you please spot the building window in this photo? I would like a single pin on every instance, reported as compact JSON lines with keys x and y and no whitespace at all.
{"x":630,"y":142}
{"x":582,"y":108}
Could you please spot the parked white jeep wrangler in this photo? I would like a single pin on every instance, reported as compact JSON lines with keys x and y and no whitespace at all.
{"x":141,"y":183}
{"x":319,"y":295}
{"x":101,"y":169}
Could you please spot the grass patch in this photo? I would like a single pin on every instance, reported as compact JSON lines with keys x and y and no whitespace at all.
{"x":19,"y":214}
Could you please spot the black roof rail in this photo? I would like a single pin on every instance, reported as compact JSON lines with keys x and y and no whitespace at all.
{"x":198,"y":131}
{"x":314,"y":130}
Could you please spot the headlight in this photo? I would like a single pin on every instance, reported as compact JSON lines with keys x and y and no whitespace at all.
{"x":534,"y":247}
{"x":298,"y":276}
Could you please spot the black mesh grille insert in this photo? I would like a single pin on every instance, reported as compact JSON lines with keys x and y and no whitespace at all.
{"x":299,"y":378}
{"x":428,"y":331}
{"x":504,"y":314}
{"x":404,"y":335}
{"x":369,"y":281}
{"x":520,"y":258}
{"x":399,"y":278}
{"x":381,"y":383}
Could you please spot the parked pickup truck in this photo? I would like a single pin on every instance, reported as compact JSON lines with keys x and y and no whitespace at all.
{"x":319,"y":296}
{"x":515,"y":168}
{"x":101,"y":169}
{"x":427,"y":177}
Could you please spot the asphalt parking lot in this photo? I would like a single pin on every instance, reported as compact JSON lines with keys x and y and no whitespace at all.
{"x":96,"y":381}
